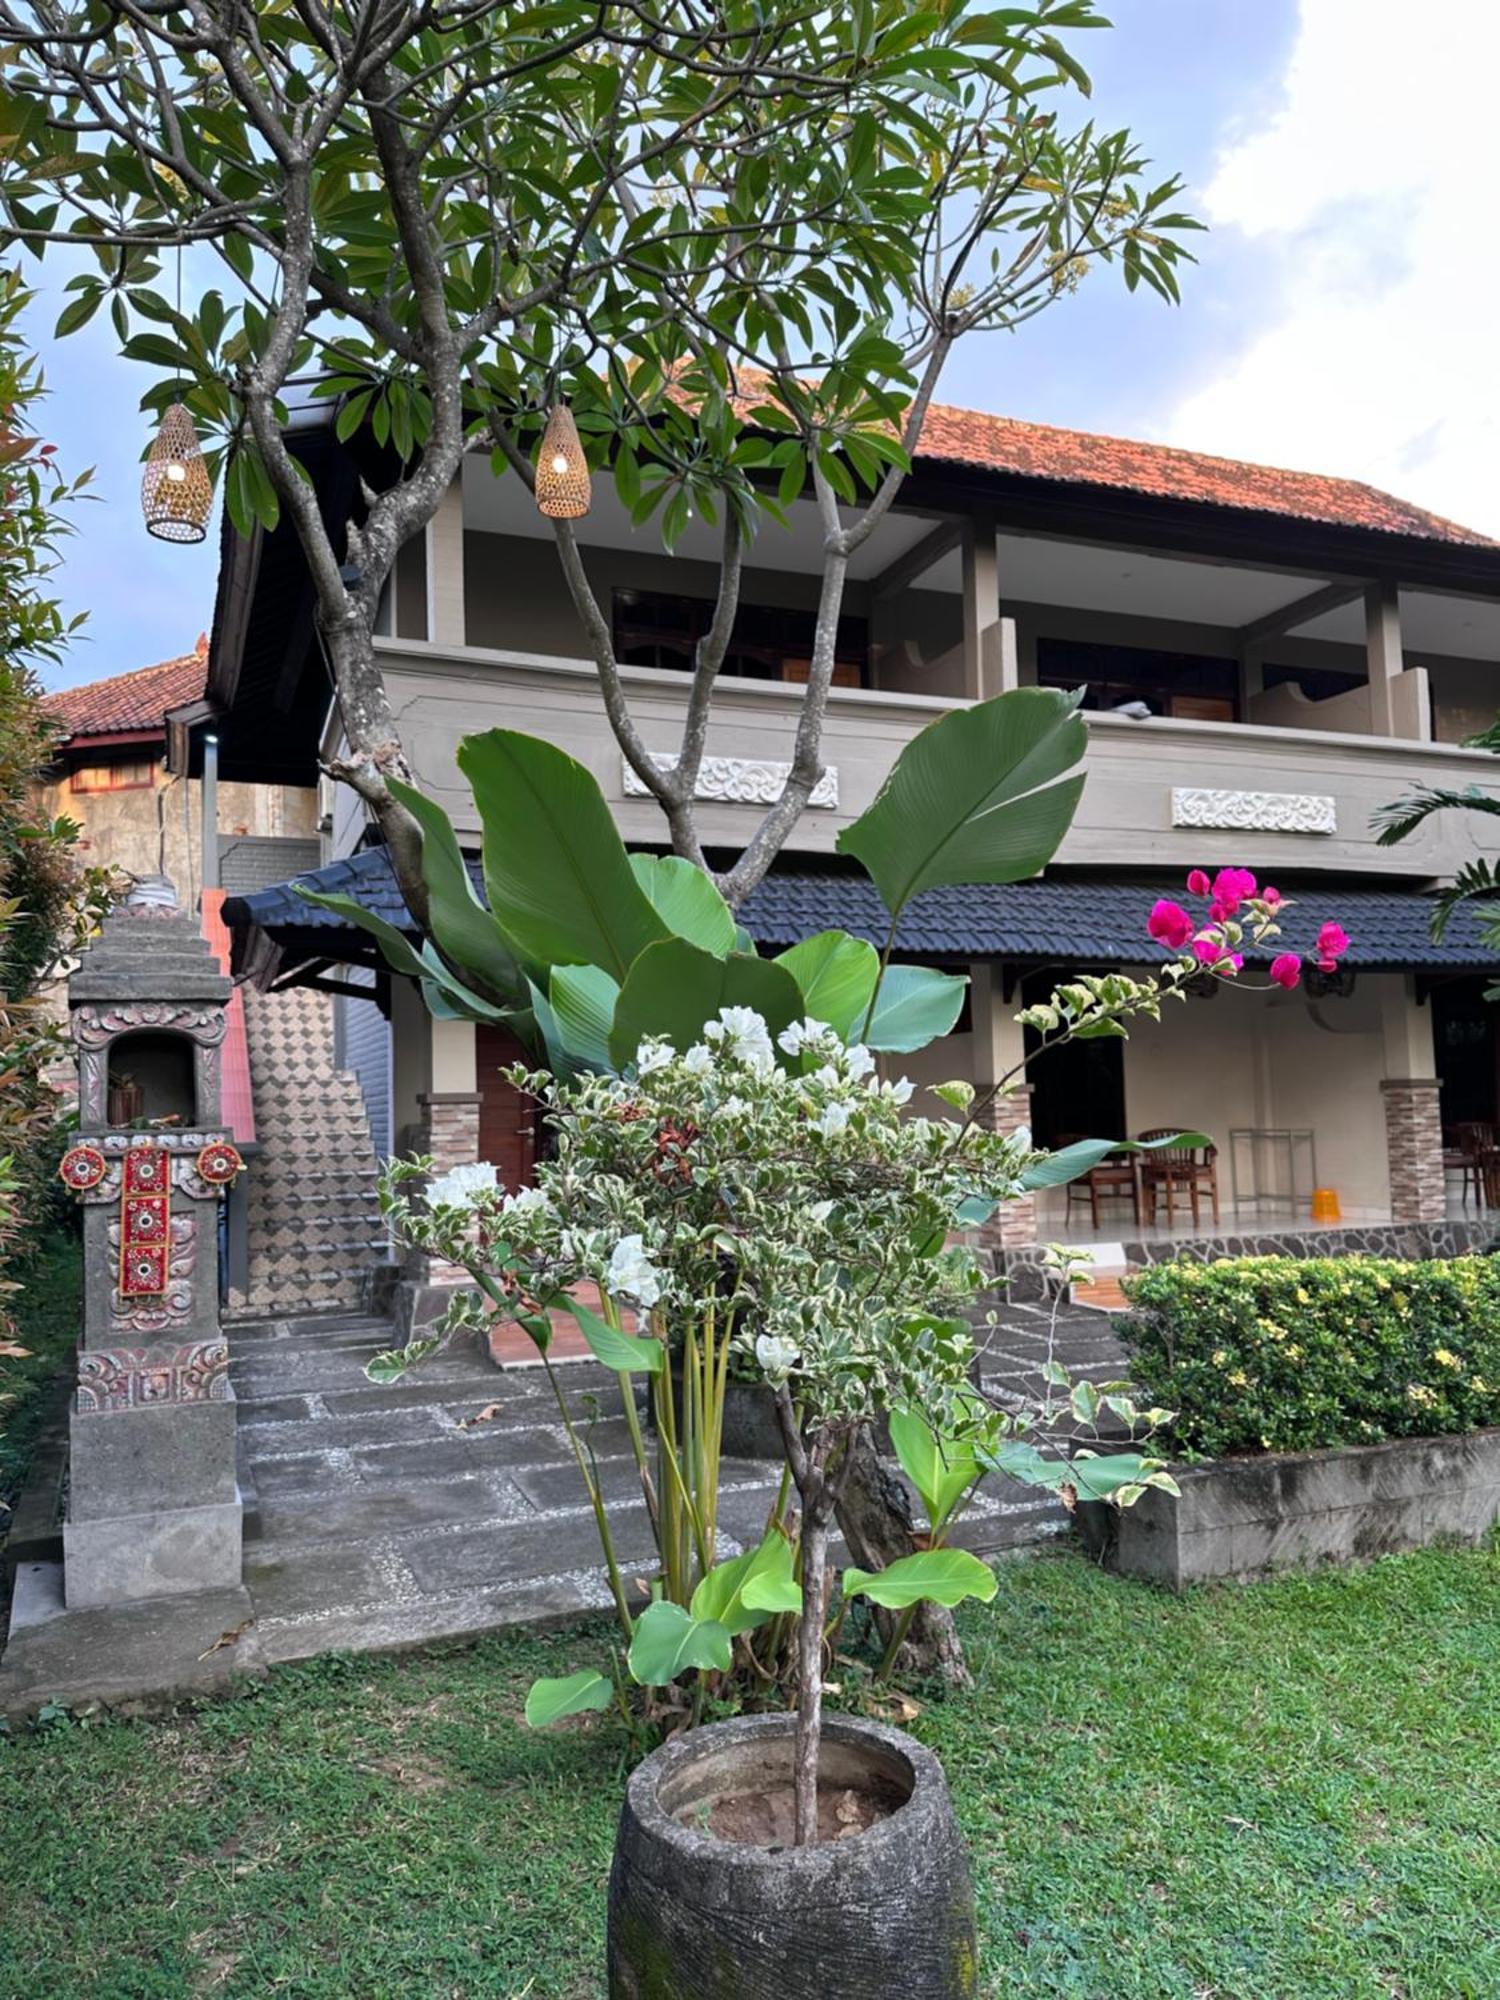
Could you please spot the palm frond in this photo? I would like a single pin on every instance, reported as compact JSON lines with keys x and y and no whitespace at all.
{"x":1403,"y":816}
{"x":1475,"y":878}
{"x":1487,"y":739}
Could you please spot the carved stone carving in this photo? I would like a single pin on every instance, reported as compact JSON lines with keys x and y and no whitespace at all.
{"x":94,"y":1023}
{"x":739,"y":781}
{"x":1262,"y":812}
{"x":129,"y":1378}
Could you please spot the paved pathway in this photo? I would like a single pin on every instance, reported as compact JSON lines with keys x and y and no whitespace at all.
{"x":387,"y":1517}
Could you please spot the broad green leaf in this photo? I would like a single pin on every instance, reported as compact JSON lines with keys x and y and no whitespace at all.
{"x":747,"y":1590}
{"x":1109,"y":1478}
{"x":1057,"y":1169}
{"x":583,"y":1005}
{"x":401,"y":956}
{"x":837,"y":974}
{"x":673,"y":989}
{"x":463,"y":930}
{"x":686,"y":901}
{"x":941,"y":1469}
{"x":669,"y":1641}
{"x":916,"y":1004}
{"x":935,"y":1576}
{"x":624,"y":1352}
{"x":550,"y":1700}
{"x":978,"y":796}
{"x":556,"y":872}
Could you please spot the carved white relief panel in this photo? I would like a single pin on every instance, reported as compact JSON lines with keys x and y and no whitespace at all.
{"x":1261,"y":812}
{"x":740,"y":781}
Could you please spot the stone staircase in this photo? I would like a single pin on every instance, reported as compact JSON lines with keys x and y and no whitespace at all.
{"x":316,"y":1239}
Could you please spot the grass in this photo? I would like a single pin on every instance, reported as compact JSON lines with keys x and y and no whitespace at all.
{"x":1284,"y":1791}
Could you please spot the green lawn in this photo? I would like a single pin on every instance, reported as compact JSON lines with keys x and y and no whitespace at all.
{"x":1283,"y":1791}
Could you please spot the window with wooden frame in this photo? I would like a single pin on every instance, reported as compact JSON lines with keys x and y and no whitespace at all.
{"x":653,"y":628}
{"x":132,"y":775}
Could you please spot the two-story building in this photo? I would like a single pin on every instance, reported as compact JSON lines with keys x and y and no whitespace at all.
{"x":1269,"y":656}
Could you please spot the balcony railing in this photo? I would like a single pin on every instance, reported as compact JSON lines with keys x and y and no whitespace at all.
{"x":1160,"y":793}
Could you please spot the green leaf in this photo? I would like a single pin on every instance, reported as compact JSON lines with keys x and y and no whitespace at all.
{"x":669,"y":1641}
{"x":935,"y":1576}
{"x":941,"y":1469}
{"x":686,"y":901}
{"x":550,"y":1700}
{"x":673,"y":989}
{"x":624,"y":1352}
{"x":1057,"y":1169}
{"x":583,"y":1005}
{"x":916,"y":1005}
{"x":463,"y":930}
{"x":1109,"y":1478}
{"x":556,"y":872}
{"x":394,"y":1362}
{"x":975,"y":797}
{"x":837,"y":975}
{"x":746,"y":1591}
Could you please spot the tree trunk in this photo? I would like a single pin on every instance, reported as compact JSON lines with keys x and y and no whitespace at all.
{"x":875,"y":1518}
{"x":810,"y":1672}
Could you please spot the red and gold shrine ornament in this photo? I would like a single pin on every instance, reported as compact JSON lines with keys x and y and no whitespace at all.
{"x":145,"y":1222}
{"x":82,"y":1168}
{"x":219,"y":1163}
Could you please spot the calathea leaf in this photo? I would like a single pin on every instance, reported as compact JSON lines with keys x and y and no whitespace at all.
{"x":978,"y":796}
{"x":686,"y":901}
{"x":669,"y":1641}
{"x":938,"y":1576}
{"x":751,"y":1588}
{"x":463,"y":930}
{"x":673,"y":989}
{"x":549,"y":1701}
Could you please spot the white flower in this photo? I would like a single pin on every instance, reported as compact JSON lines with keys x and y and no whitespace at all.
{"x":631,"y":1272}
{"x":777,"y":1357}
{"x":899,"y":1092}
{"x":820,"y":1211}
{"x":858,"y":1061}
{"x":462,"y":1186}
{"x":653,"y":1054}
{"x":745,"y":1036}
{"x":800,"y":1034}
{"x":733,"y":1107}
{"x":699,"y":1060}
{"x":526,"y":1203}
{"x":831,"y":1120}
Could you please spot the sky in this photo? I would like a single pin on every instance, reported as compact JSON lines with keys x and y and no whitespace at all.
{"x":1340,"y":317}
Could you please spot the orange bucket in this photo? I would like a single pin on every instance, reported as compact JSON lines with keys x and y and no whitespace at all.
{"x":1325,"y":1205}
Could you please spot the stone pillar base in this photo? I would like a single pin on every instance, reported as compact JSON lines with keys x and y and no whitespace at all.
{"x":417,"y":1304}
{"x":164,"y":1553}
{"x":1414,"y":1149}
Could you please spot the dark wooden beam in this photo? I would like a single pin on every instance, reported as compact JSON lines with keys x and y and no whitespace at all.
{"x":1301,"y":611}
{"x":918,"y":559}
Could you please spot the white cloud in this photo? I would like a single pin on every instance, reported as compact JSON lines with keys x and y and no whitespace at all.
{"x":1368,"y":199}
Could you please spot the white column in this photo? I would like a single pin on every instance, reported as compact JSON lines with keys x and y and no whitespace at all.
{"x":445,"y":569}
{"x":990,"y":662}
{"x":1383,"y":656}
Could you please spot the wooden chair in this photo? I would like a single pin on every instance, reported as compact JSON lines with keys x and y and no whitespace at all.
{"x":1472,"y":1145}
{"x":1114,"y":1178}
{"x":1174,"y":1170}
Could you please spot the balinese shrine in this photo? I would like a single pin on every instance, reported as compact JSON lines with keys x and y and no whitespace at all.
{"x":153,"y":1505}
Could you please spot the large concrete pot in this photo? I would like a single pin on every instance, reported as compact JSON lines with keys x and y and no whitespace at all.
{"x":884,"y":1912}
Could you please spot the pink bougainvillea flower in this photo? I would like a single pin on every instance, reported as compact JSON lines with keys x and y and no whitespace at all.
{"x":1230,"y":888}
{"x":1333,"y":942}
{"x":1270,"y":897}
{"x":1170,"y":925}
{"x":1198,"y":883}
{"x":1212,"y":952}
{"x":1286,"y":969}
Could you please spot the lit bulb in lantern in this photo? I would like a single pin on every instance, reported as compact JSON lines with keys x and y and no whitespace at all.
{"x":560,"y":463}
{"x":176,"y":473}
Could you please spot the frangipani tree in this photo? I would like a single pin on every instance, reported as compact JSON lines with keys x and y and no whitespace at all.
{"x":739,"y":241}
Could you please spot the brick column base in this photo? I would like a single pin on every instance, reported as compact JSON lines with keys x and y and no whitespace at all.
{"x":1414,"y":1149}
{"x":449,"y":1130}
{"x":1014,"y":1222}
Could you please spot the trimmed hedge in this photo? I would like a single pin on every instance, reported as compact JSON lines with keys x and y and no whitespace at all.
{"x":1290,"y":1354}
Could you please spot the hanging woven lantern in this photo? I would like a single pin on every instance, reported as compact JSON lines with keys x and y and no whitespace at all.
{"x":176,"y":496}
{"x":563,"y":491}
